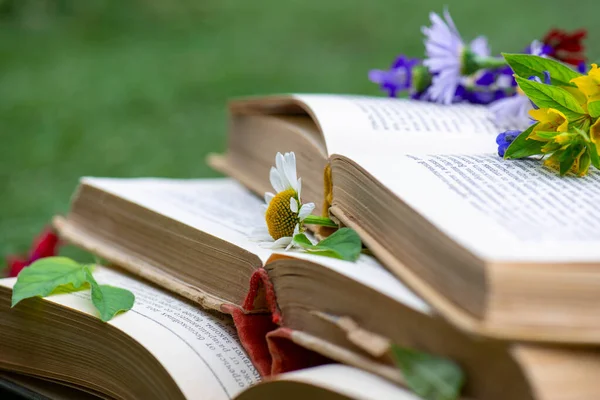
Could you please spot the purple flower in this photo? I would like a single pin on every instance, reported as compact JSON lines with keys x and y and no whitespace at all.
{"x":445,"y":49}
{"x":397,"y":78}
{"x":504,"y":140}
{"x":512,"y":112}
{"x":538,"y":48}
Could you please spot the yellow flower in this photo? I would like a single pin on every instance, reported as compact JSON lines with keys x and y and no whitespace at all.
{"x":579,"y":96}
{"x":589,"y":84}
{"x":550,"y":120}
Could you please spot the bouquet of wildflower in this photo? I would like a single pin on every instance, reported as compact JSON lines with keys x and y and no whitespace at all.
{"x":566,"y":112}
{"x":456,"y":71}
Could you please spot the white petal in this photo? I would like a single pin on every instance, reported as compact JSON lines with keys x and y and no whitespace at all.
{"x":265,"y":208}
{"x":293,"y":205}
{"x":276,"y":182}
{"x":290,"y":168}
{"x":306,"y":210}
{"x":299,"y":188}
{"x":296,"y":231}
{"x":280,"y":164}
{"x":282,"y":242}
{"x":268,"y":197}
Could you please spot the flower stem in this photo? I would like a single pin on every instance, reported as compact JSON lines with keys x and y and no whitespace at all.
{"x":490,"y":62}
{"x":316,"y":220}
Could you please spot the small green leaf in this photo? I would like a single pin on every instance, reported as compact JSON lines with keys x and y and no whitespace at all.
{"x":567,"y":158}
{"x":527,"y":65}
{"x":429,"y":376}
{"x":547,"y":135}
{"x":46,"y":275}
{"x":344,"y":244}
{"x":594,"y":109}
{"x":548,"y":96}
{"x":522,"y":147}
{"x":109,"y":300}
{"x":301,"y":240}
{"x":594,"y":158}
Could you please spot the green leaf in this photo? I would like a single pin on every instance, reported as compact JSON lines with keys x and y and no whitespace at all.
{"x":429,"y":376}
{"x":527,"y":65}
{"x":548,"y":96}
{"x":567,"y":158}
{"x":109,"y":300}
{"x":522,"y":147}
{"x":547,"y":135}
{"x":594,"y":109}
{"x":595,"y":159}
{"x":45,"y":275}
{"x":344,"y":244}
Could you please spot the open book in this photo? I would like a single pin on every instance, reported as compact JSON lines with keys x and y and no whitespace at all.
{"x":505,"y":249}
{"x":327,"y":382}
{"x":193,"y":237}
{"x":163,"y":348}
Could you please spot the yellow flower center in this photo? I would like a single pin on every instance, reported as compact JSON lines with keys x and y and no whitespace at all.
{"x":281,"y":221}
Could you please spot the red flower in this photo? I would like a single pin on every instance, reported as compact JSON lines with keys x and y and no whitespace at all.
{"x":45,"y":245}
{"x":566,"y":47}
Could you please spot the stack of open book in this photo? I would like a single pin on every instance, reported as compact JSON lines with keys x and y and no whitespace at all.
{"x":489,"y":263}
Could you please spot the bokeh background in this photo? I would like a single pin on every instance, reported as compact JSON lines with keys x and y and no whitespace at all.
{"x":138,"y":87}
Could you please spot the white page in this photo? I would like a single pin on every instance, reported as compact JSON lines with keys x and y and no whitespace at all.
{"x":372,"y":129}
{"x":199,"y":349}
{"x":402,"y":143}
{"x":223,"y":208}
{"x":503,"y":210}
{"x":349,"y":381}
{"x":220,"y":207}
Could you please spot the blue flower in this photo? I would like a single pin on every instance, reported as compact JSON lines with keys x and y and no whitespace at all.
{"x":504,"y":140}
{"x":538,"y":48}
{"x":445,"y":49}
{"x":397,"y":78}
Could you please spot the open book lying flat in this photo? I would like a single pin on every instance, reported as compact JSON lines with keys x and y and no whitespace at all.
{"x":192,"y":237}
{"x":164,"y":348}
{"x":505,"y":249}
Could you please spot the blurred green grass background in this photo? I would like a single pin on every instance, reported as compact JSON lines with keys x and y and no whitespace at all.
{"x":139,"y":87}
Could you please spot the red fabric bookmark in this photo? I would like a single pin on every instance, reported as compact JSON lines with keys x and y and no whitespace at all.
{"x":269,"y":345}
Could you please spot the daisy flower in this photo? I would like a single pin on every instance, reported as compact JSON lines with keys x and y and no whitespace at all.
{"x":445,"y":52}
{"x":284,"y":211}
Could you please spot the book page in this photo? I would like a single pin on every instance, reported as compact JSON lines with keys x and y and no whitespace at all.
{"x":199,"y":349}
{"x":349,"y":381}
{"x":503,"y":210}
{"x":377,"y":129}
{"x":219,"y":207}
{"x":224,"y":209}
{"x":369,"y":272}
